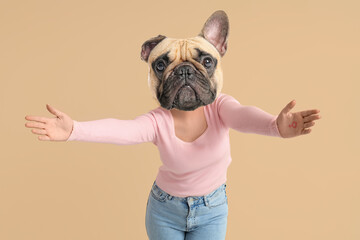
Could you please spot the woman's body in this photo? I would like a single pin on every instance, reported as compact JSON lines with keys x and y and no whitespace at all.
{"x":195,"y":151}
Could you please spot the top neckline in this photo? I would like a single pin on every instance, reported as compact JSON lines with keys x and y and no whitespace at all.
{"x":198,"y":138}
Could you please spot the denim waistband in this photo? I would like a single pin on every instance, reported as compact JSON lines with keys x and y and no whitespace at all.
{"x":206,"y":199}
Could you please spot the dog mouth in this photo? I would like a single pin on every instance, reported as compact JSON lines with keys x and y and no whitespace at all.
{"x":186,"y":98}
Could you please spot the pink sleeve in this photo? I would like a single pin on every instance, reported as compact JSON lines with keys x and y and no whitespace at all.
{"x":116,"y":131}
{"x":247,"y":119}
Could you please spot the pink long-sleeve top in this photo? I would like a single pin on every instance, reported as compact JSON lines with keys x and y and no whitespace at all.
{"x":188,"y":168}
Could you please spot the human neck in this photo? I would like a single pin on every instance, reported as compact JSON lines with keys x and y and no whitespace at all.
{"x":187,"y":116}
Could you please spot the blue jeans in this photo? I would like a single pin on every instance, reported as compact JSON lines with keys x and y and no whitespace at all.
{"x":189,"y":218}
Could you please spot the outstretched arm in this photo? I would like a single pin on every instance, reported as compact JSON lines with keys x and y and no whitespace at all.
{"x":251,"y":119}
{"x":110,"y":130}
{"x":246,"y":119}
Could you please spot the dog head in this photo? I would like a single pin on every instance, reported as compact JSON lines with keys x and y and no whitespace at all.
{"x":186,"y":73}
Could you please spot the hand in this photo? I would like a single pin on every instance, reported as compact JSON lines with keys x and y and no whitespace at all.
{"x":295,"y":124}
{"x":51,"y":129}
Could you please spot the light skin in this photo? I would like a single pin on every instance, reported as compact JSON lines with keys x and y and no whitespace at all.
{"x":186,"y":117}
{"x":59,"y":127}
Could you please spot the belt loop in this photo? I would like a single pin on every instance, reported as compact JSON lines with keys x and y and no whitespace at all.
{"x":206,"y":201}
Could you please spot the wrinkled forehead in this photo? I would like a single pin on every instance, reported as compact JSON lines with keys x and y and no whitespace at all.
{"x":183,"y":49}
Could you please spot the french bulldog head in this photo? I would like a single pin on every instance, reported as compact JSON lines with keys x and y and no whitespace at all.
{"x":186,"y":73}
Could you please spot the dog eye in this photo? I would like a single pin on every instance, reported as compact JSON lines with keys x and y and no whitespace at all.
{"x":207,"y":62}
{"x":160,"y":66}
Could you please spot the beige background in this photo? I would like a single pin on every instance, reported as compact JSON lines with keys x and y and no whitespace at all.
{"x":83,"y":57}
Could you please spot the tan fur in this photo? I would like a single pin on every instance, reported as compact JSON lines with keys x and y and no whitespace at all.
{"x":184,"y":50}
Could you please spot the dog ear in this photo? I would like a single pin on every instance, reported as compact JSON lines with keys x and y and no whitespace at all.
{"x":149,"y":45}
{"x":216,"y":31}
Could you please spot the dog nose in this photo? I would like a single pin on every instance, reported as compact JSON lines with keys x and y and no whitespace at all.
{"x":185,"y":71}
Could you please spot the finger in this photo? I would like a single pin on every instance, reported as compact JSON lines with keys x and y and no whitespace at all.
{"x":309,"y":112}
{"x":44,"y":138}
{"x":289,"y":106}
{"x":306,"y":131}
{"x":35,"y":125}
{"x":53,"y":110}
{"x":309,"y":124}
{"x":38,"y":131}
{"x":311,"y":118}
{"x":36,"y":118}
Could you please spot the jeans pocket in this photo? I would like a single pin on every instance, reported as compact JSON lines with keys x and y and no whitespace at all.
{"x":217,"y":199}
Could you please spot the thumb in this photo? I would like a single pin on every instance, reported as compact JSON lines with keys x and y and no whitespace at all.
{"x":289,"y":106}
{"x":53,"y":110}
